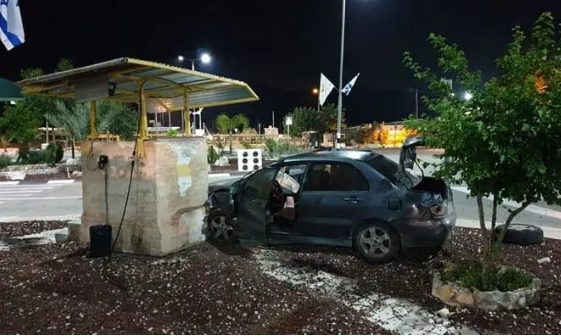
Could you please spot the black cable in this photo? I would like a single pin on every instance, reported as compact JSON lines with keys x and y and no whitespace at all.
{"x":107,"y":276}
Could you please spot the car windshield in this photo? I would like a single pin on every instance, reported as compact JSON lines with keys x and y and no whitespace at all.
{"x":390,"y":170}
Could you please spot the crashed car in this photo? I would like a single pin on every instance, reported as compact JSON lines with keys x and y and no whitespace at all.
{"x":353,"y":198}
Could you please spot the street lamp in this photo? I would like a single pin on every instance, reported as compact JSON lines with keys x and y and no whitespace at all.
{"x":315,"y":92}
{"x":468,"y":96}
{"x":205,"y":58}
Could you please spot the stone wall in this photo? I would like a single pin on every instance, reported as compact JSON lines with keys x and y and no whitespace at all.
{"x":165,"y":212}
{"x":455,"y":295}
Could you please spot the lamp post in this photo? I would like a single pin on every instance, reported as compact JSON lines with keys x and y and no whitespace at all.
{"x":417,"y":103}
{"x":315,"y":92}
{"x":340,"y":100}
{"x":205,"y":58}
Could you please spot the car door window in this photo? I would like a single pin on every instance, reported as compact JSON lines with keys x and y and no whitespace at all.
{"x":290,"y":177}
{"x":335,"y":177}
{"x":259,"y":184}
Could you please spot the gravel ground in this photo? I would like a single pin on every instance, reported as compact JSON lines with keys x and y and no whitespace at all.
{"x":221,"y":289}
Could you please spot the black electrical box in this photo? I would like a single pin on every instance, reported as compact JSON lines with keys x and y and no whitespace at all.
{"x":100,"y":241}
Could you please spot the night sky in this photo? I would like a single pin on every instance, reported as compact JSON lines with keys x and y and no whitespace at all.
{"x":279,"y":47}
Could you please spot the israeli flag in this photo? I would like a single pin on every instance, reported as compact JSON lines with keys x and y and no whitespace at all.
{"x":347,"y":89}
{"x":11,"y":25}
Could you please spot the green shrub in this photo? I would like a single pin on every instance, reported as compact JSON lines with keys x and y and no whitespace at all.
{"x":5,"y":161}
{"x":172,"y":133}
{"x":509,"y":279}
{"x":212,"y":155}
{"x":468,"y":274}
{"x":53,"y":154}
{"x":35,"y":157}
{"x":271,"y":146}
{"x":246,"y":145}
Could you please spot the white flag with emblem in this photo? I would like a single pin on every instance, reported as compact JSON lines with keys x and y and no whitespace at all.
{"x":325,"y":88}
{"x":11,"y":25}
{"x":347,"y":89}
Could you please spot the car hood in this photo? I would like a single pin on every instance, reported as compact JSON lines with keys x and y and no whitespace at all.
{"x":222,"y":184}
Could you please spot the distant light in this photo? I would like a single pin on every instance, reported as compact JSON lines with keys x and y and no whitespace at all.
{"x":12,"y":102}
{"x":315,"y":91}
{"x":180,"y":58}
{"x":205,"y":58}
{"x":468,"y":95}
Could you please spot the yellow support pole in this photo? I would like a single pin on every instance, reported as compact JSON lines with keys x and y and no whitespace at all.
{"x":143,"y":124}
{"x":186,"y":116}
{"x":93,"y":117}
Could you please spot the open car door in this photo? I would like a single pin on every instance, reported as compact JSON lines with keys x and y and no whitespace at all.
{"x":253,"y":204}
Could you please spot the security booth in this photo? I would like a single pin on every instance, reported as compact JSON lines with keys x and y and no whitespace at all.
{"x":152,"y":190}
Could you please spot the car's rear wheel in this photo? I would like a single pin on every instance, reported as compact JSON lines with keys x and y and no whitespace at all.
{"x":376,"y":242}
{"x":219,"y":227}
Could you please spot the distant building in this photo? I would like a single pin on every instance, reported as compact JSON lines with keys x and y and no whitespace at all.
{"x":271,"y":131}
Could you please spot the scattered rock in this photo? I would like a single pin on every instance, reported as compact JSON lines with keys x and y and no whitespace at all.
{"x":222,"y":161}
{"x":544,"y":260}
{"x":444,"y":312}
{"x":72,"y":161}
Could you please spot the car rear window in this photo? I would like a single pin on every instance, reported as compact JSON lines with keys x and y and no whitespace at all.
{"x":384,"y":166}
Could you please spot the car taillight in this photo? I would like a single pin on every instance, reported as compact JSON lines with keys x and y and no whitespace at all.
{"x":439,"y":210}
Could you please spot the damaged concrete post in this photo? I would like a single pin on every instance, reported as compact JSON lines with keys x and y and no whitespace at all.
{"x":169,"y":187}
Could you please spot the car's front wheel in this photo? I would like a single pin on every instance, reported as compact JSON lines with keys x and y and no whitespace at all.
{"x":376,"y":242}
{"x":219,"y":227}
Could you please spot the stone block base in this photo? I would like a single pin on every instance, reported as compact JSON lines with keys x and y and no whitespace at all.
{"x":165,"y":211}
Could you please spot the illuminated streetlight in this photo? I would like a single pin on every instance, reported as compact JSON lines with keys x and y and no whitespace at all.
{"x":468,"y":95}
{"x":205,"y":58}
{"x":315,"y":91}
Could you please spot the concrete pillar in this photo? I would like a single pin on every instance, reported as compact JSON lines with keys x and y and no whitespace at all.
{"x":166,"y":205}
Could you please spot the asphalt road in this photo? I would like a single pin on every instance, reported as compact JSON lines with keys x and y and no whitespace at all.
{"x":27,"y":201}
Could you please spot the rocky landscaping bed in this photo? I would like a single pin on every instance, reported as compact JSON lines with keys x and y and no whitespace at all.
{"x":41,"y":172}
{"x":237,"y":289}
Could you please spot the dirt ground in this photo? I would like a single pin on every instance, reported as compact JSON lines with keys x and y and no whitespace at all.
{"x":207,"y":289}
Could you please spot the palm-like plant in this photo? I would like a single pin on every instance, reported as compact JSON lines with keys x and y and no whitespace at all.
{"x":226,"y":124}
{"x":73,"y":117}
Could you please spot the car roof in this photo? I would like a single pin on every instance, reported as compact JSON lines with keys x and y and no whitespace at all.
{"x":338,"y":155}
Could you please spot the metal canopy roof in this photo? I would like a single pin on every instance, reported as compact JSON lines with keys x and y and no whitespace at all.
{"x":9,"y":91}
{"x":164,"y":89}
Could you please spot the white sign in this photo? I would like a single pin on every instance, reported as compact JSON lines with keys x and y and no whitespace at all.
{"x":249,"y":159}
{"x":288,"y":121}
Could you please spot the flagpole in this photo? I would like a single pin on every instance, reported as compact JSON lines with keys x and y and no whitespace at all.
{"x":340,"y":101}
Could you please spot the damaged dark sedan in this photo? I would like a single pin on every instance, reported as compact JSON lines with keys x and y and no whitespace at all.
{"x":354,"y":198}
